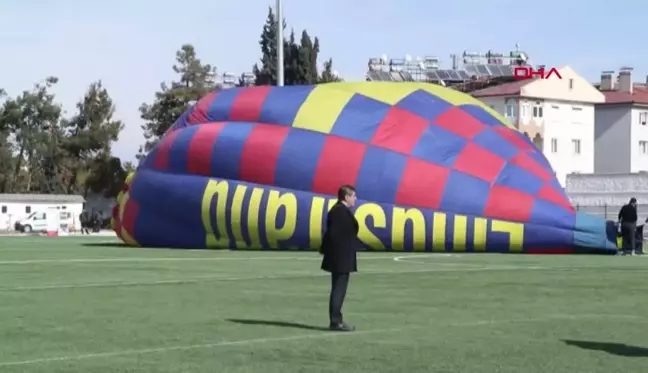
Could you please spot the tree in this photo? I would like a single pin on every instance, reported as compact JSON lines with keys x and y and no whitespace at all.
{"x":6,"y":151}
{"x":300,"y":59}
{"x":266,"y":73}
{"x":40,"y":152}
{"x":328,"y":74}
{"x":6,"y":161}
{"x":106,"y":176}
{"x":89,"y":135}
{"x":195,"y":81}
{"x":30,"y":117}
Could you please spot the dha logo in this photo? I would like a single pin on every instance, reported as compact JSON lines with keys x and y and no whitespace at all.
{"x":527,"y":72}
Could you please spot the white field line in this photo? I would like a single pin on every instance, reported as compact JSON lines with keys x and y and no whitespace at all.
{"x":217,"y":278}
{"x":310,"y":336}
{"x":168,"y":259}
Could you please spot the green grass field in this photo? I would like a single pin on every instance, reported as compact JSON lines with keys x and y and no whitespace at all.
{"x":75,"y":305}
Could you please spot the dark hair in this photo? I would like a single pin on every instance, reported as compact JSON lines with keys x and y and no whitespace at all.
{"x":345,"y":191}
{"x":632,"y":200}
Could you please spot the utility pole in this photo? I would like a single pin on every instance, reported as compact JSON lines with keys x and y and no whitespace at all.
{"x":280,"y":45}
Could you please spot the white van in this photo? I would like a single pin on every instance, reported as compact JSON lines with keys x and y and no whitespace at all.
{"x":37,"y":221}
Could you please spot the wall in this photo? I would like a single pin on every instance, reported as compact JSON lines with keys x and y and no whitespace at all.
{"x":565,"y":123}
{"x":639,"y":132}
{"x":496,"y":103}
{"x":604,"y":194}
{"x":612,"y":132}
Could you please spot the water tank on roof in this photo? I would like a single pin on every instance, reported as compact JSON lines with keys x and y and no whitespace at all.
{"x":229,"y":78}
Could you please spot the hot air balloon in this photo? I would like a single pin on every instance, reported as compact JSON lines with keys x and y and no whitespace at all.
{"x":435,"y":171}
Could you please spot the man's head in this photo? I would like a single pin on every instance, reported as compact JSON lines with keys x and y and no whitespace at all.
{"x":347,"y":195}
{"x":633,"y":201}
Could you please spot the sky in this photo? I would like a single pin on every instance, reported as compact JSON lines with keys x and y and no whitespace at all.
{"x":130,"y":45}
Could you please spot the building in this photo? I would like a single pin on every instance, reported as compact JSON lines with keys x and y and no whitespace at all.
{"x":15,"y":207}
{"x":556,"y":113}
{"x":621,"y":137}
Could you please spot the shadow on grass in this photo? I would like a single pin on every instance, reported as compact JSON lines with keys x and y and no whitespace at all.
{"x":618,"y":349}
{"x":104,"y":244}
{"x":282,"y":324}
{"x":117,"y":244}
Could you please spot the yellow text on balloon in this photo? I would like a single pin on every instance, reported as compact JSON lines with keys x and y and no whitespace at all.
{"x":223,"y":204}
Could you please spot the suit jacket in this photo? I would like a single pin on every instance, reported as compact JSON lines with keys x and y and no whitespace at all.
{"x":340,"y":242}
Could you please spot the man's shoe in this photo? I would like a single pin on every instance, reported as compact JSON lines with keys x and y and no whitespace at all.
{"x":342,"y":327}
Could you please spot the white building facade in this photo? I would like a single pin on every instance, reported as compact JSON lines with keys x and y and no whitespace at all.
{"x":557,"y":114}
{"x":621,"y":136}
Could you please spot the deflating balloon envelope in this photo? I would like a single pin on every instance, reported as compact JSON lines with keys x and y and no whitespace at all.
{"x":434,"y":168}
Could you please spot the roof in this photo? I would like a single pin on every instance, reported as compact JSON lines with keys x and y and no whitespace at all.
{"x":41,"y":198}
{"x":638,"y":96}
{"x":506,"y":89}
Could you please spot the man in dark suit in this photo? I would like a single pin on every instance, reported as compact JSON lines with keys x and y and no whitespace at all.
{"x":628,"y":222}
{"x":339,"y":247}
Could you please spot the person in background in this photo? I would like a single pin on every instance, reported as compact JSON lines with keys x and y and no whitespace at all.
{"x":84,"y":219}
{"x":640,"y":238}
{"x":339,"y":247}
{"x":628,"y":223}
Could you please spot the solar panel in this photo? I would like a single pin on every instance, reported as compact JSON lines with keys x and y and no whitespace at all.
{"x":372,"y":75}
{"x":483,"y":70}
{"x":495,"y":70}
{"x":443,"y":74}
{"x":432,"y":76}
{"x":454,"y":75}
{"x":463,"y":75}
{"x":507,"y":70}
{"x":471,"y":70}
{"x":384,"y":76}
{"x":407,"y":76}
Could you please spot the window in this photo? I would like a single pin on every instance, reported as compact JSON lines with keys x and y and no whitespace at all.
{"x":27,"y":209}
{"x":510,"y":111}
{"x":554,"y":145}
{"x":571,"y":83}
{"x":643,"y":118}
{"x":4,"y":209}
{"x":537,"y":110}
{"x":643,"y":147}
{"x":576,"y":146}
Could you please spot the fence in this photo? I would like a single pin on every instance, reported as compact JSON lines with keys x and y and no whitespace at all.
{"x":608,"y":212}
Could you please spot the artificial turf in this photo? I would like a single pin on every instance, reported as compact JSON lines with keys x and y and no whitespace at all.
{"x":78,"y":305}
